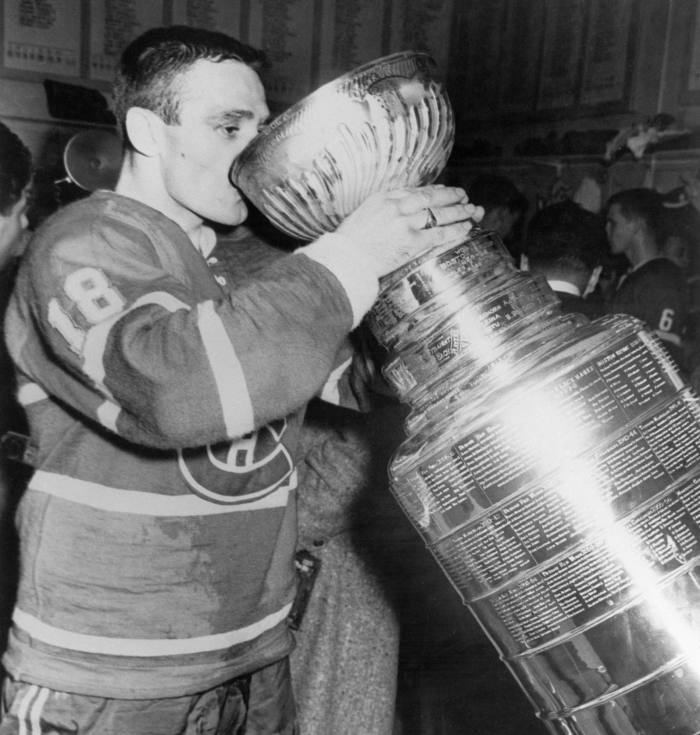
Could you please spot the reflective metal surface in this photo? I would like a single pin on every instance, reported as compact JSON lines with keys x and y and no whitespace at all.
{"x":428,"y":281}
{"x":472,"y":329}
{"x":385,"y":125}
{"x":563,"y":503}
{"x":553,"y":464}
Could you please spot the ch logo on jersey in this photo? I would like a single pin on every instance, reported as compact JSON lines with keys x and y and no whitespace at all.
{"x":239,"y":471}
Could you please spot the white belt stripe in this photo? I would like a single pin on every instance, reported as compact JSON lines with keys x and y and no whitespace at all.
{"x":143,"y":647}
{"x":134,"y":501}
{"x":228,"y":373}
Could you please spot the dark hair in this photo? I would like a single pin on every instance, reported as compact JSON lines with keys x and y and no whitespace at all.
{"x":15,"y":168}
{"x":151,"y":64}
{"x":566,"y":236}
{"x":642,"y":204}
{"x":492,"y":191}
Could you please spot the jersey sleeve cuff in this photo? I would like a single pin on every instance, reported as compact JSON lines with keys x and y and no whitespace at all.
{"x":335,"y":253}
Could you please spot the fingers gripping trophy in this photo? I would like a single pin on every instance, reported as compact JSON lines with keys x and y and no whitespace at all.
{"x":553,"y":464}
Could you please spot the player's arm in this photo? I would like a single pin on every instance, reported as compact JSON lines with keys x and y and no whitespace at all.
{"x":119,"y":337}
{"x":103,"y":328}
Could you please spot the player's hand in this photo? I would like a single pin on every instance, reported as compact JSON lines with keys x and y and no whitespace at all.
{"x":390,"y":228}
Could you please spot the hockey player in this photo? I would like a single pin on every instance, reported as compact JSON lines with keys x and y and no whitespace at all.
{"x":654,"y":288}
{"x":566,"y":244}
{"x":15,"y":182}
{"x":158,"y":530}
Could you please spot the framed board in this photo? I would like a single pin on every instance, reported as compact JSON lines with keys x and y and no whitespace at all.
{"x":285,"y":31}
{"x":608,"y":46}
{"x":352,"y":33}
{"x":213,"y":15}
{"x":690,"y":91}
{"x":523,"y":36}
{"x":42,"y":37}
{"x":113,"y":24}
{"x":564,"y":29}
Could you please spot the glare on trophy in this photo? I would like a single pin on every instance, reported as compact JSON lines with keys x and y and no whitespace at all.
{"x":553,"y":464}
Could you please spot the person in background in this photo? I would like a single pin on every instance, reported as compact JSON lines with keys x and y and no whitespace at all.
{"x":158,"y":531}
{"x":345,"y":664}
{"x":15,"y":182}
{"x":505,"y":208}
{"x":690,"y":195}
{"x":677,"y":249}
{"x":653,"y":289}
{"x":566,"y":244}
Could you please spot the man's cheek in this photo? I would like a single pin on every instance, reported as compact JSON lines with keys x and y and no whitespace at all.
{"x":241,"y":212}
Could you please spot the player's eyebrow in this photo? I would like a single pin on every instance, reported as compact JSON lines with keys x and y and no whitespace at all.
{"x":237,"y":115}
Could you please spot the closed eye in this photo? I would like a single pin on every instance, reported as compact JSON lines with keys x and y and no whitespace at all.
{"x":229,"y":130}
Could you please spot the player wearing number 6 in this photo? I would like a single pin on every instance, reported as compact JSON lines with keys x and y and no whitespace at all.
{"x":654,"y":289}
{"x":158,"y":530}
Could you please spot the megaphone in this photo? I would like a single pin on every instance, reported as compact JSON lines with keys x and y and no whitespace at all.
{"x":92,"y":159}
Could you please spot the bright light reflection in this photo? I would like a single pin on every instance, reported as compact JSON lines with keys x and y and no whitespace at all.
{"x":502,"y":371}
{"x":476,"y":333}
{"x":551,"y":434}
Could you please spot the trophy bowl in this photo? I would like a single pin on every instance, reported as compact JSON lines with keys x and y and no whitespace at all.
{"x":385,"y":125}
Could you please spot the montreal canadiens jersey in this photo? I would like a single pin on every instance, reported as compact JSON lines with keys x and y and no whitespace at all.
{"x":656,"y":293}
{"x":158,"y":530}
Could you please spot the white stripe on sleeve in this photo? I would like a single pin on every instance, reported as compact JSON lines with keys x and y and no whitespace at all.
{"x":108,"y":413}
{"x":31,"y":393}
{"x":335,"y":253}
{"x":228,"y":373}
{"x":674,"y":339}
{"x":331,"y":392}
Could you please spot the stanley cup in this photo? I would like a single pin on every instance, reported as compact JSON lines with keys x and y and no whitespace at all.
{"x":553,"y":464}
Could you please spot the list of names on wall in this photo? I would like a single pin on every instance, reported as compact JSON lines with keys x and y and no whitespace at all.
{"x":693,"y":79}
{"x":563,"y":44}
{"x":423,"y":25}
{"x":114,"y":23}
{"x":42,"y":36}
{"x":284,"y":30}
{"x":215,"y":15}
{"x":476,"y":62}
{"x":520,"y":69}
{"x":351,"y":35}
{"x":605,"y":65}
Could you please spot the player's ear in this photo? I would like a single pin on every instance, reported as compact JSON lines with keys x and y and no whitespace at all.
{"x":144,"y":130}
